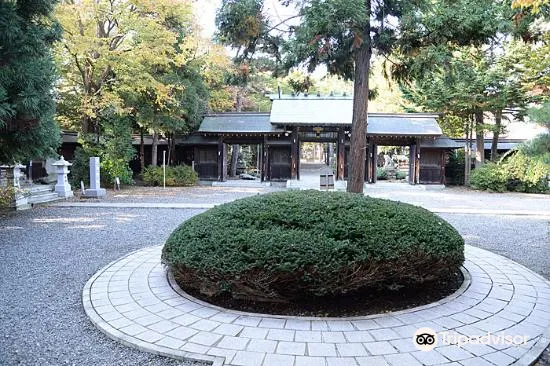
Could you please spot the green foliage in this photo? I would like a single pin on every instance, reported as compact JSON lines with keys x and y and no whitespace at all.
{"x":538,"y":147}
{"x":541,"y":114}
{"x":454,"y":170}
{"x":400,"y":175}
{"x":27,"y":76}
{"x":7,"y":196}
{"x":138,"y":60}
{"x":489,"y":177}
{"x":301,"y":243}
{"x":381,"y":174}
{"x":241,"y":24}
{"x":176,"y":176}
{"x":520,"y":172}
{"x":527,"y":173}
{"x":114,"y":150}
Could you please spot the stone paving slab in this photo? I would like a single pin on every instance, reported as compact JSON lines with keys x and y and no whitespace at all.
{"x":133,"y":301}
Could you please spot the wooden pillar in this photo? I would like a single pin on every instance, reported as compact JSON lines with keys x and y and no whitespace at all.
{"x":222,"y":161}
{"x":412,"y":163}
{"x":443,"y":163}
{"x":368,"y":167}
{"x":261,"y":148}
{"x":340,"y":154}
{"x":374,"y":158}
{"x":417,"y":160}
{"x":294,"y":153}
{"x":265,"y":168}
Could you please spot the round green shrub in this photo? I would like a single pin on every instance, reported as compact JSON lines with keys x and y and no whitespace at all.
{"x":295,"y":244}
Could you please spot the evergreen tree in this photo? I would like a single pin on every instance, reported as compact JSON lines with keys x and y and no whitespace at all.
{"x":344,"y":34}
{"x":27,"y":76}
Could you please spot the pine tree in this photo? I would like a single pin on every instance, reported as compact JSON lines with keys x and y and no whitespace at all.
{"x":27,"y":76}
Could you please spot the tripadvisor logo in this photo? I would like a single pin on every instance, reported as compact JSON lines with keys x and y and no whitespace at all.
{"x":425,"y":339}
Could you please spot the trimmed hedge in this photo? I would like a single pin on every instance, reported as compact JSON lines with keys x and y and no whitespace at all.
{"x":180,"y":176}
{"x":295,"y":244}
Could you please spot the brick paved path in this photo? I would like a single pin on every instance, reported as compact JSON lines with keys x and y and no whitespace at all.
{"x":132,"y":301}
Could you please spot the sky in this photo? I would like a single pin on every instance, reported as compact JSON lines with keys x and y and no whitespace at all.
{"x":206,"y":13}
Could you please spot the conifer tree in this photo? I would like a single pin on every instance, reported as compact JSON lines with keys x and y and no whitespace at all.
{"x":27,"y":76}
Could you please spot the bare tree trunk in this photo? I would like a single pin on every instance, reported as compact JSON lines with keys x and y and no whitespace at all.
{"x":141,"y":150}
{"x":496,"y":133}
{"x":234,"y":159}
{"x":235,"y":147}
{"x":154,"y":148}
{"x":169,"y":138}
{"x":468,"y":152}
{"x":480,"y":139}
{"x":358,"y":148}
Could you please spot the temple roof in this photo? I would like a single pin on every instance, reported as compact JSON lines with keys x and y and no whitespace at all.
{"x":338,"y":111}
{"x":244,"y":122}
{"x":380,"y":124}
{"x":441,"y":142}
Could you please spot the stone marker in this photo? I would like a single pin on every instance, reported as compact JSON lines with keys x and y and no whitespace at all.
{"x":17,"y":175}
{"x":62,"y":187}
{"x":50,"y":171}
{"x":95,"y":185}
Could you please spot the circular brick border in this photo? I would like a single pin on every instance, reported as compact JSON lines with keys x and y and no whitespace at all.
{"x":132,"y":301}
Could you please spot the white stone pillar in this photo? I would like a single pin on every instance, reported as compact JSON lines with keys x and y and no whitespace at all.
{"x":95,"y":184}
{"x":62,"y":187}
{"x":50,"y":170}
{"x":17,"y":174}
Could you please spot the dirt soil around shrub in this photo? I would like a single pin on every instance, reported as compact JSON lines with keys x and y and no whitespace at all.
{"x":366,"y":302}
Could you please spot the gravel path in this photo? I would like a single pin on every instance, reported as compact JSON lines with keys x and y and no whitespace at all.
{"x":48,"y":254}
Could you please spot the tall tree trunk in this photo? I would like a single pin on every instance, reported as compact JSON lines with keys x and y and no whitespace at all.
{"x":141,"y":150}
{"x":234,"y":159}
{"x":154,"y":148}
{"x":172,"y":150}
{"x":235,"y":147}
{"x":496,"y":133}
{"x":358,"y":148}
{"x":468,"y":152}
{"x":480,"y":139}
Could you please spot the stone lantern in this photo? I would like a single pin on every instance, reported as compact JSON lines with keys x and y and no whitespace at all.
{"x":62,"y":187}
{"x":9,"y":180}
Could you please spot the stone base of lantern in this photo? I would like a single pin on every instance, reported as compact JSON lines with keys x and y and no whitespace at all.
{"x":63,"y":190}
{"x":95,"y":193}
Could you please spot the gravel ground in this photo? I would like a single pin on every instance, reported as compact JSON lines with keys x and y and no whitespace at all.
{"x":48,"y":254}
{"x":198,"y":194}
{"x":524,"y":239}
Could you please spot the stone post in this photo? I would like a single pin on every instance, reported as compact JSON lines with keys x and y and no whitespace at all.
{"x":95,"y":185}
{"x":62,"y":187}
{"x":17,"y":174}
{"x":50,"y":170}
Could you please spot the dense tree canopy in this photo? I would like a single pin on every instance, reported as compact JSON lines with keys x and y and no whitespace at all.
{"x":27,"y":76}
{"x":131,"y":63}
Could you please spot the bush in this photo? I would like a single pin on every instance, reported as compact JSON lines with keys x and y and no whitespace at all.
{"x":381,"y":174}
{"x":490,"y":177}
{"x":519,"y":173}
{"x":526,"y":174}
{"x":454,"y":169}
{"x":400,"y":175}
{"x":296,"y":244}
{"x":181,"y":175}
